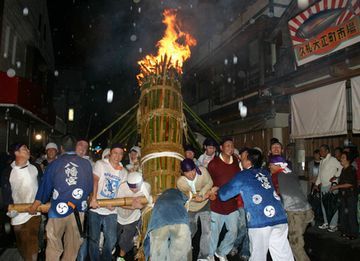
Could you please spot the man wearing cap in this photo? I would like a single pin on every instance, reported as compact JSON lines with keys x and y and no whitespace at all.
{"x":196,"y":183}
{"x":108,"y":175}
{"x":267,"y":222}
{"x":190,"y":153}
{"x":105,"y":154}
{"x":134,"y":159}
{"x":222,"y":169}
{"x":51,"y":151}
{"x":128,"y":216}
{"x":19,"y":183}
{"x":209,"y":154}
{"x":67,"y":183}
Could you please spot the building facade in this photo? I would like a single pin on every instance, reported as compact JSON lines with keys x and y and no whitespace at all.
{"x":26,"y":74}
{"x":255,"y":60}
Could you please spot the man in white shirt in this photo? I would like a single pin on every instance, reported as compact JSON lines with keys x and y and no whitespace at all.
{"x":129,"y":216}
{"x":329,"y":170}
{"x":108,"y":175}
{"x":19,"y":183}
{"x":209,"y":154}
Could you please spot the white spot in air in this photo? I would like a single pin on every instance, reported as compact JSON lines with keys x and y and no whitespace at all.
{"x":226,"y":61}
{"x":133,"y":37}
{"x":229,"y":79}
{"x":18,"y":64}
{"x":243,"y":111}
{"x":302,"y":4}
{"x":139,"y":10}
{"x":11,"y":73}
{"x":140,"y":50}
{"x":235,"y":59}
{"x":25,"y":11}
{"x":110,"y":96}
{"x":90,"y":26}
{"x":56,"y":73}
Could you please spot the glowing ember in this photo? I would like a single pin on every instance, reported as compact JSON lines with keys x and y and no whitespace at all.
{"x":173,"y":48}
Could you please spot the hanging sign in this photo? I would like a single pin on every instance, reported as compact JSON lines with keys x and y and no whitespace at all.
{"x":325,"y":27}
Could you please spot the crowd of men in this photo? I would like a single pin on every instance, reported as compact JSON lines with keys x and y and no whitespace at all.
{"x":246,"y":205}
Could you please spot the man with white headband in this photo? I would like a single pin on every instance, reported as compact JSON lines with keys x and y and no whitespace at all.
{"x":134,"y":159}
{"x":51,"y":150}
{"x":128,"y":216}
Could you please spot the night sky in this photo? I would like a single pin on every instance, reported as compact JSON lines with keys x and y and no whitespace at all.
{"x":104,"y":39}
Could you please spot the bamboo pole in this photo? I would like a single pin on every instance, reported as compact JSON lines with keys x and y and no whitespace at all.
{"x":115,"y":121}
{"x":201,"y":122}
{"x":115,"y":202}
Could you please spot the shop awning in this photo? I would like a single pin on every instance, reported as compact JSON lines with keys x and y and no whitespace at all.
{"x":319,"y":112}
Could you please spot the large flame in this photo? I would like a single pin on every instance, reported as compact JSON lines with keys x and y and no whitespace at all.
{"x":173,"y":48}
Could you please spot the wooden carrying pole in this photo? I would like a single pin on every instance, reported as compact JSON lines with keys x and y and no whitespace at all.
{"x":116,"y":202}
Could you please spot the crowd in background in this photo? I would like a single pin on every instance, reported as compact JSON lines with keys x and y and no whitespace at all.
{"x":250,"y":199}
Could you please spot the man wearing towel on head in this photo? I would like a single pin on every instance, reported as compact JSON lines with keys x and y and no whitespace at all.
{"x":128,"y":216}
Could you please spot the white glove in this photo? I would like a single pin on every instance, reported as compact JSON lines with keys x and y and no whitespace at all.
{"x":12,"y":213}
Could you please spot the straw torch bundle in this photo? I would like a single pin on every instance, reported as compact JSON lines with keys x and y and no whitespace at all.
{"x":160,"y":115}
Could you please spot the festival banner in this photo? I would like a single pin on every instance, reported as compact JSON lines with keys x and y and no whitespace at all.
{"x":325,"y":27}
